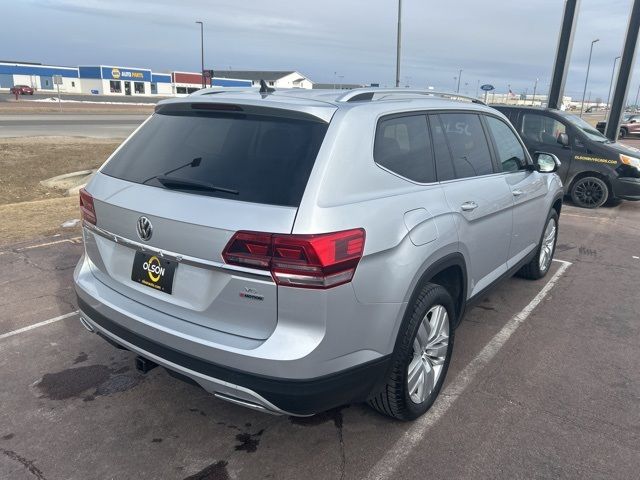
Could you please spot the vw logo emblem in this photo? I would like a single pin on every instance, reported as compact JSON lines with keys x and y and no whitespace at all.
{"x":144,"y":228}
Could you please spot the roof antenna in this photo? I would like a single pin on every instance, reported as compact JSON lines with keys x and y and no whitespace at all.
{"x":264,"y":88}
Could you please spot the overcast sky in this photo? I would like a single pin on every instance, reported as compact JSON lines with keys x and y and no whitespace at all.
{"x":499,"y":42}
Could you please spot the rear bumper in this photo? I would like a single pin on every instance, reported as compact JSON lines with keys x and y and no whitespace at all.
{"x":307,"y":368}
{"x":627,"y":188}
{"x":274,"y":395}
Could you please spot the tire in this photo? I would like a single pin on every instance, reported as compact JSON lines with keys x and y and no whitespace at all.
{"x":623,"y":133}
{"x":541,"y":262}
{"x":589,"y":192}
{"x":432,"y":307}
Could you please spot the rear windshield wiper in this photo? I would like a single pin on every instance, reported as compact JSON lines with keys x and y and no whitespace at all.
{"x":182,"y":183}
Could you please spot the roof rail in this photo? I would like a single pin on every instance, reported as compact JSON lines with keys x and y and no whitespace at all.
{"x":364,"y":94}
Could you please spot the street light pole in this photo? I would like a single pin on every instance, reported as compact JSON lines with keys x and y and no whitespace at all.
{"x":201,"y":52}
{"x":535,"y":87}
{"x":613,"y":74}
{"x":459,"y":77}
{"x":586,"y":80}
{"x":398,"y":43}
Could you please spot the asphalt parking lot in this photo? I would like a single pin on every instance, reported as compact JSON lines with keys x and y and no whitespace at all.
{"x":544,"y":384}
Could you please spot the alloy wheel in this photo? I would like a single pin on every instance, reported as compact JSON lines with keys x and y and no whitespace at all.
{"x":548,"y":244}
{"x":429,"y":353}
{"x":588,"y":192}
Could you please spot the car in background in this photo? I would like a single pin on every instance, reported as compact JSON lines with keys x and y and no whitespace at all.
{"x":21,"y":90}
{"x":294,"y":251}
{"x":594,"y":170}
{"x":630,"y":125}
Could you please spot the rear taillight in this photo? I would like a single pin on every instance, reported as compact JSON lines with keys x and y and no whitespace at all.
{"x":312,"y":261}
{"x":87,"y":210}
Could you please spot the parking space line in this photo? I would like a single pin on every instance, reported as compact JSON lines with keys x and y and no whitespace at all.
{"x":39,"y":324}
{"x":602,"y":219}
{"x":395,"y":456}
{"x":55,"y":242}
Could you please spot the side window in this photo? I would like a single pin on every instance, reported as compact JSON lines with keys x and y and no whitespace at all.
{"x":468,"y":144}
{"x":444,"y":164}
{"x":510,"y":152}
{"x":541,"y":129}
{"x":402,"y":145}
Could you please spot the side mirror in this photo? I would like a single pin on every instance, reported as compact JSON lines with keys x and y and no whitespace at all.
{"x":563,"y":139}
{"x":633,"y":120}
{"x":546,"y":162}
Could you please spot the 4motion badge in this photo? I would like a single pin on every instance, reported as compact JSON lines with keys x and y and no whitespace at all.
{"x":251,"y":294}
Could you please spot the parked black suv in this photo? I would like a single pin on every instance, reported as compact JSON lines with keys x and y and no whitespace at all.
{"x":594,"y":170}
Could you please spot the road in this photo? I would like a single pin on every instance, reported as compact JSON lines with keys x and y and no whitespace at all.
{"x":543,"y":384}
{"x":75,"y":125}
{"x":5,"y":97}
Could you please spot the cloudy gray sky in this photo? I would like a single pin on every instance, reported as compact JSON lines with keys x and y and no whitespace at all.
{"x":499,"y":42}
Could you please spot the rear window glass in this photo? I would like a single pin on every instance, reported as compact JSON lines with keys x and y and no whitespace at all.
{"x":252,"y":158}
{"x":402,"y":145}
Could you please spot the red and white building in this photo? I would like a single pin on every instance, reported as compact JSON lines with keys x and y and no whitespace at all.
{"x":189,"y":82}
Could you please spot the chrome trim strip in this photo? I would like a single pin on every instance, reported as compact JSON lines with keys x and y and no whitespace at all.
{"x":176,"y":257}
{"x":86,"y":325}
{"x":244,"y":403}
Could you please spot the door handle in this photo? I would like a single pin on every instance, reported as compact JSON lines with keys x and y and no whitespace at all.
{"x":517,"y":193}
{"x":468,"y":206}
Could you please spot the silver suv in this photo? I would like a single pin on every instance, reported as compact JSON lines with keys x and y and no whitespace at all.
{"x":294,"y":251}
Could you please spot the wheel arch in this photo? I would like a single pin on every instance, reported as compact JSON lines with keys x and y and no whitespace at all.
{"x":557,"y":204}
{"x":449,"y":272}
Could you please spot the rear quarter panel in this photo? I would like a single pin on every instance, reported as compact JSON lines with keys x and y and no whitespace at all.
{"x":347,"y":189}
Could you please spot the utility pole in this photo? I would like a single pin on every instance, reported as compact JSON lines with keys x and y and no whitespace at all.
{"x":586,"y":80}
{"x":535,"y":87}
{"x":201,"y":51}
{"x":613,"y":74}
{"x":459,"y":77}
{"x":398,"y":43}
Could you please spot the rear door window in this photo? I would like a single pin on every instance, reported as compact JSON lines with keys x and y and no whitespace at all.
{"x":444,"y":163}
{"x":252,"y":158}
{"x":468,"y":144}
{"x":508,"y":148}
{"x":402,"y":145}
